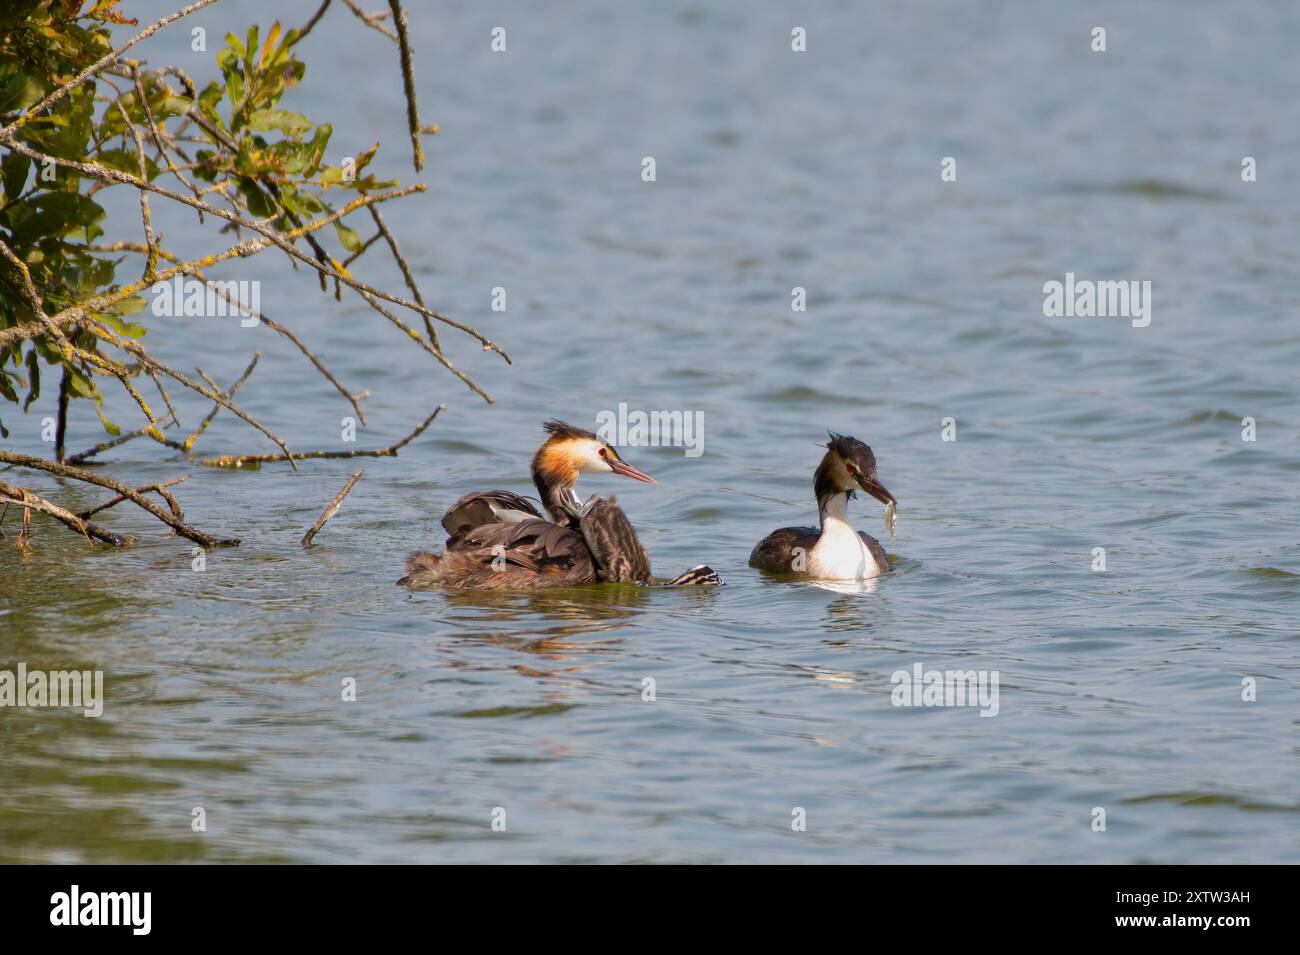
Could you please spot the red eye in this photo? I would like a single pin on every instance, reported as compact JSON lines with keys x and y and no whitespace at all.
{"x":851,"y":469}
{"x":602,"y":452}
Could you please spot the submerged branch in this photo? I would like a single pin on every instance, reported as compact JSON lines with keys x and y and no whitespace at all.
{"x":159,"y":488}
{"x":26,"y":499}
{"x":90,"y":477}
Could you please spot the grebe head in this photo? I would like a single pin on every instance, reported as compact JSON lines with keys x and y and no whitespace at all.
{"x":566,"y":453}
{"x":849,"y":465}
{"x":570,"y":451}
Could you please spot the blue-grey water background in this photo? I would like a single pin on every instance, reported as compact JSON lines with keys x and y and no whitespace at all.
{"x":1120,"y":690}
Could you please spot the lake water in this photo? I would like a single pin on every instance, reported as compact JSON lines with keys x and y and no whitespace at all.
{"x":1120,"y":690}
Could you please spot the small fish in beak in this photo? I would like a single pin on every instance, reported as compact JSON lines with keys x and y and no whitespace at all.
{"x":872,"y":486}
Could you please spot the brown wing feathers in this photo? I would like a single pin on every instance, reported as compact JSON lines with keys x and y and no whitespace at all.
{"x":486,"y":507}
{"x":613,"y":543}
{"x":775,"y":553}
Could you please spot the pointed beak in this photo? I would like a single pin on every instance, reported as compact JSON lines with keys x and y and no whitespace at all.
{"x":875,"y":489}
{"x":625,"y":469}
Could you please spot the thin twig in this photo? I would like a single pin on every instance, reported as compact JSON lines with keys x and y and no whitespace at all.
{"x":151,"y":260}
{"x":163,"y":391}
{"x":407,"y":275}
{"x":188,"y":443}
{"x":157,"y":136}
{"x":82,"y":456}
{"x":362,"y":250}
{"x":312,"y":22}
{"x":415,"y":336}
{"x":239,"y":460}
{"x":371,"y":19}
{"x":160,"y":489}
{"x":408,"y":82}
{"x":332,"y":509}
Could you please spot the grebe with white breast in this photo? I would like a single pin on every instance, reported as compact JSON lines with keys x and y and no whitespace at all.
{"x":833,"y":551}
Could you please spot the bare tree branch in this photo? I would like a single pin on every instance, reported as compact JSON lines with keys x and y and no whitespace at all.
{"x":332,"y":509}
{"x":239,"y":460}
{"x":408,"y":82}
{"x":26,"y":499}
{"x":64,"y":470}
{"x":160,"y":489}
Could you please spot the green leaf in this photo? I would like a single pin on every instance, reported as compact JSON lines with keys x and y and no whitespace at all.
{"x":34,"y":379}
{"x":128,"y":306}
{"x":251,"y":47}
{"x":259,"y":204}
{"x":127,"y":329}
{"x":127,"y":161}
{"x":66,"y":132}
{"x":56,"y":213}
{"x":236,"y":48}
{"x":316,"y":150}
{"x":208,"y":101}
{"x":300,"y":203}
{"x":292,"y":124}
{"x":19,"y":92}
{"x":348,"y":236}
{"x":111,"y":428}
{"x":80,"y":385}
{"x":14,"y":166}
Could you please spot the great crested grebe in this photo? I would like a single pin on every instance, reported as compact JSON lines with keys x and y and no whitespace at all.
{"x":499,"y":541}
{"x":835,"y":551}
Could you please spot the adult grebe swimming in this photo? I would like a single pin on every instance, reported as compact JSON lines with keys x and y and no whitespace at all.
{"x":499,"y":541}
{"x":835,"y":551}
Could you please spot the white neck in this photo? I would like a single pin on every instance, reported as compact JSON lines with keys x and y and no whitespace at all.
{"x":840,"y":553}
{"x":836,"y":508}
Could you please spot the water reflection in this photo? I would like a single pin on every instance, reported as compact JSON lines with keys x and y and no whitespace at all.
{"x":579,"y":609}
{"x":848,"y":615}
{"x":847,"y":586}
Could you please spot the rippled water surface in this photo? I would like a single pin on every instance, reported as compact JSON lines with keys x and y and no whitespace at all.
{"x":1120,"y":690}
